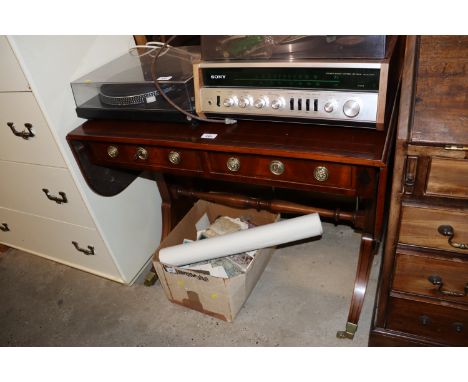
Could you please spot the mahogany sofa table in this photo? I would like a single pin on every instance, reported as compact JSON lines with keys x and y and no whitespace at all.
{"x":339,"y":172}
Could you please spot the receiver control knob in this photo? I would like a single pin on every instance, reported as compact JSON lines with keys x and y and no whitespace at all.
{"x":228,"y":102}
{"x":277,"y":103}
{"x":329,"y":106}
{"x":351,"y":108}
{"x":244,"y":102}
{"x":260,"y":103}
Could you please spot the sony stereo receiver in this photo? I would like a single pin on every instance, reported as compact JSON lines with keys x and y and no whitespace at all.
{"x":355,"y":92}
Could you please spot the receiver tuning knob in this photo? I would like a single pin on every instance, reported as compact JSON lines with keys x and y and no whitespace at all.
{"x":351,"y":108}
{"x":244,"y":102}
{"x":228,"y":102}
{"x":277,"y":103}
{"x":260,"y":103}
{"x":329,"y":106}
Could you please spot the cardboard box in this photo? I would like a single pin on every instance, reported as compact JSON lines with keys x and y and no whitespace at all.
{"x":218,"y":297}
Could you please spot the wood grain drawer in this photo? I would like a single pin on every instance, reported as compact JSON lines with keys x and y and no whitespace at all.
{"x":157,"y":157}
{"x":320,"y":174}
{"x":416,"y":273}
{"x":53,"y":240}
{"x":419,"y":226}
{"x":20,"y":109}
{"x":22,"y":188}
{"x":11,"y":75}
{"x":440,"y":323}
{"x":448,"y":177}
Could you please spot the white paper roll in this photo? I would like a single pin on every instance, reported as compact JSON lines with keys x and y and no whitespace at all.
{"x":264,"y":236}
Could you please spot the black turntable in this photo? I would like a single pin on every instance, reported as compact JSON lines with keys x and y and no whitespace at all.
{"x":124,"y":89}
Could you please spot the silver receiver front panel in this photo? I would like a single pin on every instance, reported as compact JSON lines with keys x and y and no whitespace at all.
{"x":308,"y":104}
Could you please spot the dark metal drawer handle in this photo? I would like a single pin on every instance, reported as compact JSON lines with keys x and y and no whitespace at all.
{"x":437,"y":281}
{"x":424,"y":320}
{"x":458,"y":327}
{"x":56,"y":199}
{"x":23,"y":134}
{"x":87,"y":252}
{"x":447,"y":230}
{"x":4,"y":227}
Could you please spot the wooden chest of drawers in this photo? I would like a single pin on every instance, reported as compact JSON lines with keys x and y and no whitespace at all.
{"x":423,"y":290}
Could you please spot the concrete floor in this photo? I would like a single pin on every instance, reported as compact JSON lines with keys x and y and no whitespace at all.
{"x":302,"y":299}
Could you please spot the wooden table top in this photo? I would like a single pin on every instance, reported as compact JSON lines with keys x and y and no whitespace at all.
{"x":361,"y":146}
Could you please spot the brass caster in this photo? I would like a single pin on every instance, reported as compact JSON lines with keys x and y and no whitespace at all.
{"x":348,"y":333}
{"x":151,"y":279}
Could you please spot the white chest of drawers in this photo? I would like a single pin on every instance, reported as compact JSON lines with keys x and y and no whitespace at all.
{"x":45,"y":205}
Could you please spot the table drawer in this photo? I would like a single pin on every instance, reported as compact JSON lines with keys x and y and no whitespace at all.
{"x":420,"y":226}
{"x":448,"y":177}
{"x":22,"y":189}
{"x":320,"y":174}
{"x":54,"y":240}
{"x":426,"y":275}
{"x":11,"y":75}
{"x":18,"y":110}
{"x":442,"y":324}
{"x":146,"y":157}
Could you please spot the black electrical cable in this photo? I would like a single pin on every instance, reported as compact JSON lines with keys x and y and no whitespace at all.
{"x":189,"y":115}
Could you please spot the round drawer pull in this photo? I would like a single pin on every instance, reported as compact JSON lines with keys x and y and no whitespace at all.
{"x":4,"y":227}
{"x":174,"y":157}
{"x":458,"y":327}
{"x":321,"y":173}
{"x":141,"y":153}
{"x":276,"y":167}
{"x":233,"y":164}
{"x":424,"y":320}
{"x":113,"y":151}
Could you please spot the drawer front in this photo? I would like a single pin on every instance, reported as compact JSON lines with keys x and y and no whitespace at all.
{"x":424,"y":275}
{"x":53,"y":239}
{"x":320,"y":174}
{"x":22,"y":188}
{"x":448,"y":177}
{"x":155,"y":157}
{"x":442,"y":324}
{"x":11,"y":75}
{"x":419,"y":226}
{"x":19,"y":110}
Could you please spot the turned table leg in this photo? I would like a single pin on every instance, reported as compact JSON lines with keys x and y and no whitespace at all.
{"x":366,"y":255}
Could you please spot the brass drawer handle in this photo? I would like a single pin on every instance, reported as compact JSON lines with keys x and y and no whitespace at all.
{"x":113,"y":151}
{"x":56,"y":199}
{"x":23,"y":134}
{"x":437,"y":281}
{"x":87,"y":252}
{"x":141,"y":153}
{"x":174,"y":157}
{"x":447,"y":230}
{"x":4,"y":227}
{"x":276,"y":167}
{"x":321,"y":173}
{"x":233,"y":164}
